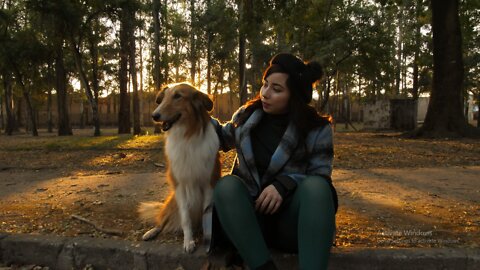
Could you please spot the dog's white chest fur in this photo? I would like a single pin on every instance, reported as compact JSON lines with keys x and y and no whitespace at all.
{"x":191,"y":159}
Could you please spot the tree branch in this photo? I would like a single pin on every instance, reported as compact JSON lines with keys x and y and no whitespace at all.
{"x":96,"y":226}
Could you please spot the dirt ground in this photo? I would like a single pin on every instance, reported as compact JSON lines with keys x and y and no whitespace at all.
{"x":393,"y":192}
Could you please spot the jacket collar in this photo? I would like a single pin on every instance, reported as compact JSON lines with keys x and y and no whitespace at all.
{"x":246,"y":143}
{"x":284,"y":151}
{"x":282,"y":154}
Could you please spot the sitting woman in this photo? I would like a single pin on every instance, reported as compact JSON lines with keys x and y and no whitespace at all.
{"x":280,"y":192}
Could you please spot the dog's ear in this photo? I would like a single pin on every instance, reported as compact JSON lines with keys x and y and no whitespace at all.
{"x":160,"y":96}
{"x":202,"y":99}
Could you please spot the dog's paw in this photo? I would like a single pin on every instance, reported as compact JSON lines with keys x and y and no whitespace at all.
{"x":152,"y":233}
{"x":188,"y":246}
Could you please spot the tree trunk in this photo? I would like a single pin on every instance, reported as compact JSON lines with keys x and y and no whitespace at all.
{"x":11,"y":124}
{"x":31,"y":113}
{"x":231,"y":94}
{"x":133,"y":71}
{"x":92,"y":97}
{"x":165,"y":60}
{"x":49,"y":111}
{"x":399,"y":53}
{"x":156,"y":46}
{"x":50,"y":124}
{"x":336,"y":99}
{"x":27,"y":120}
{"x":209,"y":63}
{"x":346,"y":105}
{"x":445,"y":111}
{"x":415,"y":86}
{"x":193,"y":54}
{"x":478,"y":112}
{"x":177,"y":58}
{"x":325,"y":107}
{"x":82,"y":115}
{"x":157,"y":76}
{"x":64,"y":128}
{"x":19,"y":109}
{"x":124,"y":125}
{"x":26,"y":96}
{"x":221,"y":74}
{"x":2,"y":119}
{"x":242,"y":54}
{"x":95,"y":77}
{"x":140,"y":84}
{"x":108,"y":100}
{"x":241,"y":70}
{"x":114,"y":99}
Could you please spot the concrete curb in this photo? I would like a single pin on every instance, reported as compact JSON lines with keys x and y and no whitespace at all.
{"x":76,"y":253}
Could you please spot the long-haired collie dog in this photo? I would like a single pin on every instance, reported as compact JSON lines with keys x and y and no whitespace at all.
{"x":191,"y":148}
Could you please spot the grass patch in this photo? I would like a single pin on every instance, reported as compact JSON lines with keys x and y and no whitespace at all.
{"x":79,"y":142}
{"x":340,"y":127}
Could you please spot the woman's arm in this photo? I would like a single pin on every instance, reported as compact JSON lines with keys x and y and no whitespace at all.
{"x":226,"y":132}
{"x":320,"y":157}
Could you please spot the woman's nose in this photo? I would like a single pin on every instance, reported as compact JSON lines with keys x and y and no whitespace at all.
{"x":265,"y":92}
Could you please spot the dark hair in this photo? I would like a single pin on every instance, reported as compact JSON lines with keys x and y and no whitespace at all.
{"x":300,"y":82}
{"x":301,"y":77}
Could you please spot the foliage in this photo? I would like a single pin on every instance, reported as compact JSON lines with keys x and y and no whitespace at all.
{"x":370,"y":49}
{"x":470,"y":20}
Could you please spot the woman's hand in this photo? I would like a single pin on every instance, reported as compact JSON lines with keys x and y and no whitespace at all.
{"x":269,"y":200}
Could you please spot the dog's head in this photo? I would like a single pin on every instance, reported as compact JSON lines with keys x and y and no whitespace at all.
{"x":179,"y":103}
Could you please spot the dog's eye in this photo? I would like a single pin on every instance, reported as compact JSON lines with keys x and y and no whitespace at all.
{"x":177,"y":96}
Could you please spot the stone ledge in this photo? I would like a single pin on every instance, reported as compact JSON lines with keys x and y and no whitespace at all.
{"x":75,"y":253}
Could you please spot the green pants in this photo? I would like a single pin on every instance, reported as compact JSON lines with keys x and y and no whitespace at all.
{"x":304,"y":223}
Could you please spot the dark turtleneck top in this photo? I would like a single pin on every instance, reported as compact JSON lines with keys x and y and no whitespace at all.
{"x":266,"y":137}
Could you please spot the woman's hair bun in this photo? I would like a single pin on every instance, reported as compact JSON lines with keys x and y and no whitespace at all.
{"x":302,"y":74}
{"x":313,"y":71}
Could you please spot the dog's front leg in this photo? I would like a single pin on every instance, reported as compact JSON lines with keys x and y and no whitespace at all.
{"x":183,"y":209}
{"x":207,"y":198}
{"x":207,"y":217}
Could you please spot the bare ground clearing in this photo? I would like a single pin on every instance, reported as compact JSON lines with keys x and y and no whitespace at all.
{"x":393,"y":191}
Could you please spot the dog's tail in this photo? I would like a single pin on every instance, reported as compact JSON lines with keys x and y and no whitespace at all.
{"x":148,"y":211}
{"x":163,"y":215}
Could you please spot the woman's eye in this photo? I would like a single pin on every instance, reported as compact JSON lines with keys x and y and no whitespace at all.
{"x":177,"y":96}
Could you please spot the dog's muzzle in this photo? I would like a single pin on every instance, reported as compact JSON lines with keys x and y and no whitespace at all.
{"x":156,"y":117}
{"x":167,"y":124}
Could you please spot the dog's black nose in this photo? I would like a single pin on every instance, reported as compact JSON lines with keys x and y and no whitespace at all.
{"x":156,"y":117}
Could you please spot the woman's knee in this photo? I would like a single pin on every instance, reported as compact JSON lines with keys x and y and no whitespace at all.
{"x":228,"y":188}
{"x":315,"y":188}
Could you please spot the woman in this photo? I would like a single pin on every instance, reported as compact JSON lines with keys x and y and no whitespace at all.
{"x":280,"y":192}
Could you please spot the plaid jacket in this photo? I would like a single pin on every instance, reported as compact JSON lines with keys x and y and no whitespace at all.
{"x":290,"y":158}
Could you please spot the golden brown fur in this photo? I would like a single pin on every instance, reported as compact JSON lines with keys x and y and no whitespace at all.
{"x":193,"y":162}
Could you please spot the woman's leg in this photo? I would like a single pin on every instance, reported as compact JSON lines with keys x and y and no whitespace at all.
{"x":236,"y":213}
{"x":309,"y":222}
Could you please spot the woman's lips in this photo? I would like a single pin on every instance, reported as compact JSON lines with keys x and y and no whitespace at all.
{"x":265,"y":105}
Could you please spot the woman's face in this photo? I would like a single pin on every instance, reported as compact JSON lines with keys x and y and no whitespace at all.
{"x":275,"y":94}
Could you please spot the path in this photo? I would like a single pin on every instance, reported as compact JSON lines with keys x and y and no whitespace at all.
{"x":415,"y":207}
